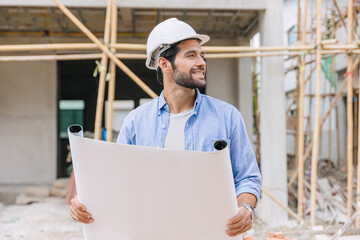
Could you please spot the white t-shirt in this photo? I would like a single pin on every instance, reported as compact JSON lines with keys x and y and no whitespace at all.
{"x":175,"y":138}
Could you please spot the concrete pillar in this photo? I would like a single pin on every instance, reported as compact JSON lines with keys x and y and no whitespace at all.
{"x":222,"y":80}
{"x":272,"y":117}
{"x":245,"y":90}
{"x":222,"y":74}
{"x":28,"y":122}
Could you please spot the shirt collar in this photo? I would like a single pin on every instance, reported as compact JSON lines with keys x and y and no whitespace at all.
{"x":162,"y":102}
{"x":163,"y":105}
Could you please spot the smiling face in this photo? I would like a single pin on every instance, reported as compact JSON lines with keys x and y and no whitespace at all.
{"x":189,"y":69}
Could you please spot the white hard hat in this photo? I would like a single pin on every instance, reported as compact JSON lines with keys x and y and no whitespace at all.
{"x":166,"y":33}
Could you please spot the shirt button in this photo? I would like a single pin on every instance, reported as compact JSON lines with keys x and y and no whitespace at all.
{"x":187,"y":124}
{"x":163,"y":126}
{"x":195,"y":113}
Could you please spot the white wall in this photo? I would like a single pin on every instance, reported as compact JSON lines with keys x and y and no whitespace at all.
{"x":28,"y":122}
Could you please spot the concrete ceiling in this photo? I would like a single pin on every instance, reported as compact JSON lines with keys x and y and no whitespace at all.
{"x":132,"y":22}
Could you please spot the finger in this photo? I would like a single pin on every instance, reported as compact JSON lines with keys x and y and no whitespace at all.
{"x":244,"y":219}
{"x":235,"y":232}
{"x":83,"y":214}
{"x":75,"y":202}
{"x":78,"y":217}
{"x":243,"y":213}
{"x":79,"y":208}
{"x":238,"y":224}
{"x":236,"y":219}
{"x":74,"y":215}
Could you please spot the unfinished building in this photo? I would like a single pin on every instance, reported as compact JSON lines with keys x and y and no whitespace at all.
{"x":273,"y":59}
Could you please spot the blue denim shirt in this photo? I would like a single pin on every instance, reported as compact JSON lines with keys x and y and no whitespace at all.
{"x":211,"y":119}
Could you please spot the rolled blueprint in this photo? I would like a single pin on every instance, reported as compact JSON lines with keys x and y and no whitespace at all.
{"x":146,"y":193}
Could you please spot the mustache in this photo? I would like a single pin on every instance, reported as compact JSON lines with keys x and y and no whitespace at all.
{"x":198,"y":68}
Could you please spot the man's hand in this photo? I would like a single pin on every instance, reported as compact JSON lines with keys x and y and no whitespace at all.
{"x":240,"y":223}
{"x":78,"y":212}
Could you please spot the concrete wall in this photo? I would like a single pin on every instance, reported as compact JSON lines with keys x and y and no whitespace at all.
{"x":27,"y":122}
{"x":222,"y":75}
{"x":272,"y":118}
{"x":245,"y":89}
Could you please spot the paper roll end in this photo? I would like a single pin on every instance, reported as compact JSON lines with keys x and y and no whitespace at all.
{"x":76,"y":130}
{"x":220,"y":145}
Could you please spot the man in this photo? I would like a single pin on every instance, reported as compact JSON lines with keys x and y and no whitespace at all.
{"x":182,"y":118}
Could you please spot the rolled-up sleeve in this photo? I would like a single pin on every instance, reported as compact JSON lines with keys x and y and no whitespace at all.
{"x":246,"y":172}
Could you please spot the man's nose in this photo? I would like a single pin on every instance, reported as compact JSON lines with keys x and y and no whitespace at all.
{"x":200,"y":61}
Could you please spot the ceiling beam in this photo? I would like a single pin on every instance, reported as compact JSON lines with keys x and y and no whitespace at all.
{"x":251,"y":26}
{"x":32,"y":19}
{"x":206,"y":22}
{"x":8,"y":21}
{"x":184,"y":16}
{"x":158,"y":16}
{"x":133,"y":22}
{"x":231,"y":21}
{"x":82,"y":19}
{"x":53,"y":14}
{"x":199,"y":13}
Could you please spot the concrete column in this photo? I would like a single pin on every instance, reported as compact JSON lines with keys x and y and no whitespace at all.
{"x":245,"y":90}
{"x":272,"y":117}
{"x":222,"y":79}
{"x":28,"y":122}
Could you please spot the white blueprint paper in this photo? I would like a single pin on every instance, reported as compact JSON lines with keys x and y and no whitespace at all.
{"x":143,"y":193}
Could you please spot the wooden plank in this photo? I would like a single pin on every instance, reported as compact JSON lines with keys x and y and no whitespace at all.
{"x":315,"y":149}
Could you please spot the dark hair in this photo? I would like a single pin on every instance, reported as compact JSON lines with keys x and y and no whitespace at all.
{"x":170,"y":55}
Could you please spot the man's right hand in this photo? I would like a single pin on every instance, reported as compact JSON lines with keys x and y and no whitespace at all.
{"x":78,"y":212}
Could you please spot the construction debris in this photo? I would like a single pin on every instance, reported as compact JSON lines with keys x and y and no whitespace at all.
{"x":61,"y":183}
{"x":59,"y":187}
{"x":38,"y":191}
{"x":346,"y":226}
{"x":25,"y":200}
{"x":276,"y":236}
{"x":58,"y":192}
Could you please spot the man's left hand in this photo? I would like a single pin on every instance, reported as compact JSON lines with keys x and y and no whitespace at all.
{"x":240,"y":223}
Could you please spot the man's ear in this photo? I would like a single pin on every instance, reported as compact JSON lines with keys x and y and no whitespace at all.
{"x":164,"y":64}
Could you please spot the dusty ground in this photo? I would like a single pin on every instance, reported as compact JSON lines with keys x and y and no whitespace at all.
{"x":48,"y":219}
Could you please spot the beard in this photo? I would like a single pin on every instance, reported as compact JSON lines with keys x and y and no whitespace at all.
{"x":186,"y":80}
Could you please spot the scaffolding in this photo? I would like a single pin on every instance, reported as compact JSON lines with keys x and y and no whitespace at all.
{"x":324,"y":47}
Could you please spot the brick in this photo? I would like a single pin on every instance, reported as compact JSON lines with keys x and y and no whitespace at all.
{"x":25,"y":200}
{"x":271,"y":235}
{"x":38,"y":192}
{"x":61,"y":183}
{"x":58,"y":192}
{"x":248,"y":238}
{"x":279,"y":235}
